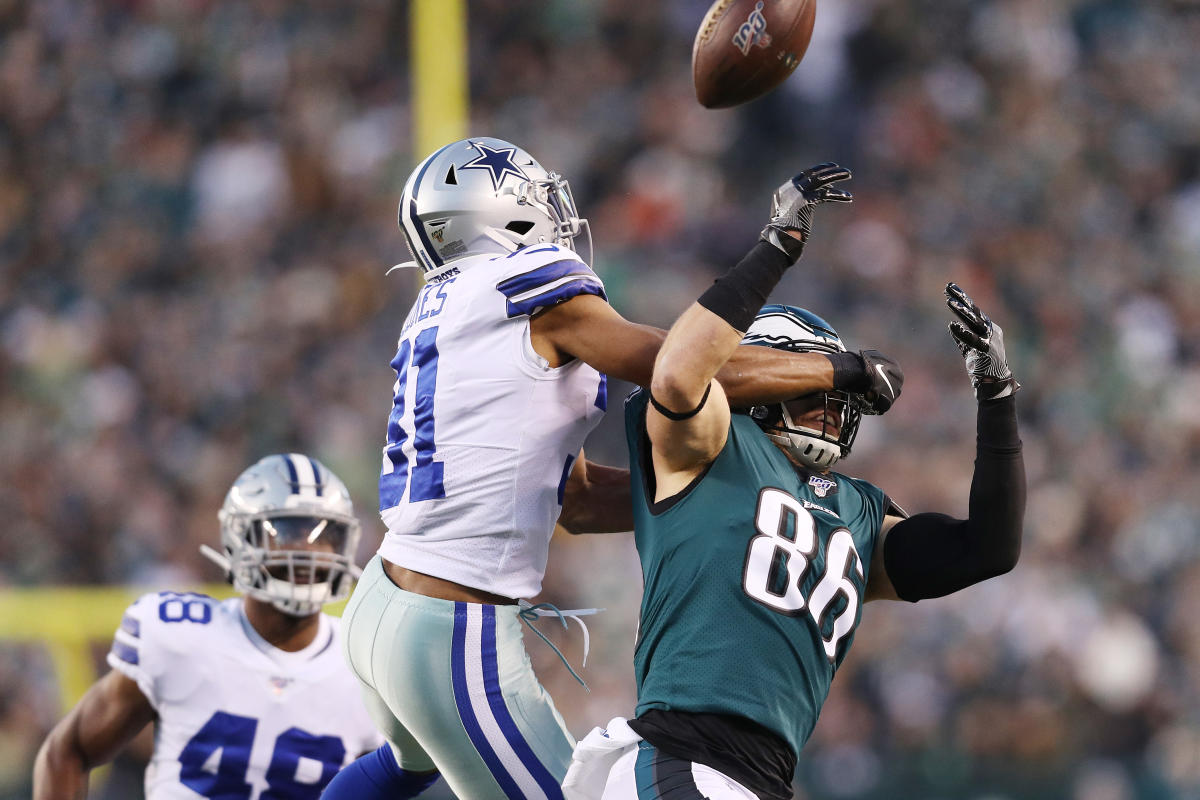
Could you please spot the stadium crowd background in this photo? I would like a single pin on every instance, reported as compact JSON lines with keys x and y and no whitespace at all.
{"x":197,"y":206}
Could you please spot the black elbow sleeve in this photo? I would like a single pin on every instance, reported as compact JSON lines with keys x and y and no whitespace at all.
{"x":932,"y":555}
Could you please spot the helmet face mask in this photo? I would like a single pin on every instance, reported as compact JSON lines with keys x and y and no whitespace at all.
{"x":816,"y":448}
{"x":799,"y":331}
{"x":289,"y":534}
{"x":485,"y":195}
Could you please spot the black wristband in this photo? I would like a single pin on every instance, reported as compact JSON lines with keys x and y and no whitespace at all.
{"x":678,"y":416}
{"x":738,"y":295}
{"x":849,"y":373}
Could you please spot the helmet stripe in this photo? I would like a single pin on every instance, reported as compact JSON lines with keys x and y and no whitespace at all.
{"x":293,"y":476}
{"x":307,"y":484}
{"x":414,"y":221}
{"x":316,"y":475}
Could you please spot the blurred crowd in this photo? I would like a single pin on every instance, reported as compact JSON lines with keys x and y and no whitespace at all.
{"x":197,"y":206}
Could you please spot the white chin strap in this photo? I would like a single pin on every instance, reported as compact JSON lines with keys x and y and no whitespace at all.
{"x":810,"y":450}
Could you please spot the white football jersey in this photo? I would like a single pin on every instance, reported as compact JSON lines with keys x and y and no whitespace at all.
{"x":238,"y":718}
{"x":483,"y":433}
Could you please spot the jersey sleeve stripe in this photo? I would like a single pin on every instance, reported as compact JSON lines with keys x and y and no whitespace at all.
{"x":547,"y":273}
{"x":571,"y":287}
{"x":131,"y":625}
{"x":552,"y":286}
{"x":124,"y":652}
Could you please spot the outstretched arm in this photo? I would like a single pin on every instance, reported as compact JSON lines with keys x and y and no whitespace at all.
{"x":932,"y":555}
{"x":588,"y":328}
{"x":110,"y":714}
{"x":688,"y":419}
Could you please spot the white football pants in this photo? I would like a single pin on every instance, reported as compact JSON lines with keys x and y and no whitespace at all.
{"x":451,"y":686}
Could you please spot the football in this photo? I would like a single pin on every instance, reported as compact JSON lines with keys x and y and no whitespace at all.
{"x":745,"y":48}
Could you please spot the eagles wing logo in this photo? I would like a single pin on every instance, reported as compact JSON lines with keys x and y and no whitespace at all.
{"x":497,"y":161}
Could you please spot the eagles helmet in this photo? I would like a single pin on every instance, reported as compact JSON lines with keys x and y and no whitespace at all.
{"x":289,"y":534}
{"x":799,"y":331}
{"x":485,"y":195}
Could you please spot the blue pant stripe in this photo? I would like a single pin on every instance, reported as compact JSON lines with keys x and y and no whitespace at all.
{"x":491,"y":682}
{"x":462,"y":699}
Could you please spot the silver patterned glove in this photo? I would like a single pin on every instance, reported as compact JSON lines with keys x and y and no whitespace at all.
{"x":981,"y":342}
{"x":793,"y":203}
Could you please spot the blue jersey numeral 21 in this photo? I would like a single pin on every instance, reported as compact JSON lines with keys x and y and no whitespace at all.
{"x":233,"y":736}
{"x":420,"y":356}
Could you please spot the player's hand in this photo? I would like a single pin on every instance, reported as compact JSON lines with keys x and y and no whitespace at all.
{"x":982,"y":344}
{"x":886,"y":379}
{"x":793,"y":203}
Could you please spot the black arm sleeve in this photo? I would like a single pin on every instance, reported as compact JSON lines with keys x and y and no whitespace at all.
{"x":738,"y":295}
{"x":932,"y":555}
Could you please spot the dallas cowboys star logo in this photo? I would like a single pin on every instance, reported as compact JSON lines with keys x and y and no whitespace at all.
{"x":497,"y":161}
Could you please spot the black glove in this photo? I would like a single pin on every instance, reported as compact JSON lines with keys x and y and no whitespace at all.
{"x":982,"y":344}
{"x":886,"y":379}
{"x":792,"y":206}
{"x":872,"y":379}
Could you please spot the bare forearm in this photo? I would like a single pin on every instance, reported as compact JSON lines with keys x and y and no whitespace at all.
{"x":109,"y":715}
{"x":59,"y":773}
{"x":599,"y":504}
{"x":762,"y":375}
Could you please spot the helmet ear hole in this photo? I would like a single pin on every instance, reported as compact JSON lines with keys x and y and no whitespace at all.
{"x":519,"y":226}
{"x":451,"y":176}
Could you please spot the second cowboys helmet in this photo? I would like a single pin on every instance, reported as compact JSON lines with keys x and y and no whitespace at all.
{"x":800,"y":331}
{"x":288,"y":534}
{"x":485,"y":195}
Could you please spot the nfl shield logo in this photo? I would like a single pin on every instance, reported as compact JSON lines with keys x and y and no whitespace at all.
{"x":821,"y":486}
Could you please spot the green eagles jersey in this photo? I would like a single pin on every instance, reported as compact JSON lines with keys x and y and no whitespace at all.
{"x":754,"y":581}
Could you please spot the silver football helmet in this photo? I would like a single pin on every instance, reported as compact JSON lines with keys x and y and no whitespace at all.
{"x":485,"y":195}
{"x":289,"y":534}
{"x":800,"y":331}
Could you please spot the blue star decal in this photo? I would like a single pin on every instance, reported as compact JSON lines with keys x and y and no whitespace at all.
{"x":497,"y":161}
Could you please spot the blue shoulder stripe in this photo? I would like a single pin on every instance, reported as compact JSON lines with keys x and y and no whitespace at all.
{"x":125,"y":652}
{"x":130,"y":625}
{"x":547,"y":273}
{"x":528,"y":306}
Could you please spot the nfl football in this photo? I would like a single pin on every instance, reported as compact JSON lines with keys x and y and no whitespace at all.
{"x":745,"y":48}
